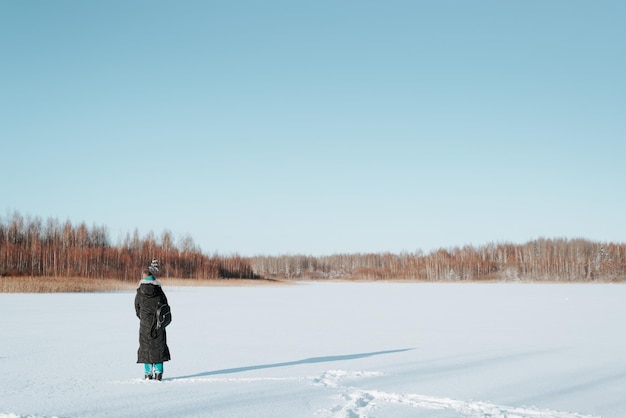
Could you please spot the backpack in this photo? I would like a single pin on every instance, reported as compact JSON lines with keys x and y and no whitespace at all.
{"x":163,"y":316}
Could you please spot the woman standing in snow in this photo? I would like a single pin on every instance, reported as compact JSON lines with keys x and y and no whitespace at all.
{"x":153,"y":350}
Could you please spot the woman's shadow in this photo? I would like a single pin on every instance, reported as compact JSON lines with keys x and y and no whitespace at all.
{"x":290,"y":363}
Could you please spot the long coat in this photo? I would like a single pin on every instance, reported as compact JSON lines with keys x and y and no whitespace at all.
{"x":152,"y":342}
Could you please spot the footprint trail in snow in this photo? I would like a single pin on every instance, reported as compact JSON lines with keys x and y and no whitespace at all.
{"x":361,"y":403}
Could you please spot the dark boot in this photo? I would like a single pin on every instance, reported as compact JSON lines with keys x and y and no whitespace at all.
{"x":148,"y":377}
{"x":158,"y":376}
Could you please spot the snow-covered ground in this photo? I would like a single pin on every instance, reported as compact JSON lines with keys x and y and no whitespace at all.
{"x":323,"y":350}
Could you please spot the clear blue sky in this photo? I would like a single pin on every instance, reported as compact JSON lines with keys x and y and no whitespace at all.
{"x":317,"y":127}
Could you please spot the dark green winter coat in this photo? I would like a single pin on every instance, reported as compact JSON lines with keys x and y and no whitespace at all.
{"x":152,"y":342}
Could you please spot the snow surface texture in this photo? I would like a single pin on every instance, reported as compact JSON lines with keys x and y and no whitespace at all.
{"x":323,"y":350}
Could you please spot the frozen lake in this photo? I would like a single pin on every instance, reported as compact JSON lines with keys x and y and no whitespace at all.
{"x":323,"y":350}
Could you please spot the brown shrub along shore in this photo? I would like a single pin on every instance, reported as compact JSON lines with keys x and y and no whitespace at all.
{"x":86,"y":285}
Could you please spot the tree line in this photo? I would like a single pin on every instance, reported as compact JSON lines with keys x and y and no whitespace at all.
{"x":539,"y":260}
{"x":32,"y":247}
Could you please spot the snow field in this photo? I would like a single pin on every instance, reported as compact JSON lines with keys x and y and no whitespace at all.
{"x":323,"y":350}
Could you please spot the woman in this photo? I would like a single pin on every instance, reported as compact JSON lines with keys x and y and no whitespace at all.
{"x":153,"y":350}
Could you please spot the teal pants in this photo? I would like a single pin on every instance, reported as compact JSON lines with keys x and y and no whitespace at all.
{"x":156,"y":367}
